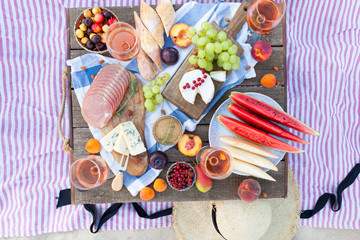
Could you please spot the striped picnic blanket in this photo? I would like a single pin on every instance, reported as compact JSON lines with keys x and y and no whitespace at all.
{"x":323,"y":77}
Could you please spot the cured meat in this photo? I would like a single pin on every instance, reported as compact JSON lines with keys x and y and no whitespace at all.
{"x":105,"y":95}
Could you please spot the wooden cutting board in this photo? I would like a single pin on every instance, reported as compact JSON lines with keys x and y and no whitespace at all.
{"x":137,"y":164}
{"x":172,"y":91}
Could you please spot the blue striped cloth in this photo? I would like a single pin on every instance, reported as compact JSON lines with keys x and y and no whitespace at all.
{"x":188,"y":14}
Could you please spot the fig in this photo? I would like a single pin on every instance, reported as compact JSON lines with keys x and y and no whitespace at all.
{"x":158,"y":160}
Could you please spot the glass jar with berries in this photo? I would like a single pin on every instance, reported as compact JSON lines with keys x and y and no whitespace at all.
{"x":181,"y":176}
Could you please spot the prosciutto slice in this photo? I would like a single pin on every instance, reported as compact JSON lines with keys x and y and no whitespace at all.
{"x":105,"y":95}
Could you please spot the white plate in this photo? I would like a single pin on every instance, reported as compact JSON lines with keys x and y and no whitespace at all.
{"x":216,"y":129}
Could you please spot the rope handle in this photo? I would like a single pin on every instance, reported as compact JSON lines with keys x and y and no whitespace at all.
{"x":66,"y":144}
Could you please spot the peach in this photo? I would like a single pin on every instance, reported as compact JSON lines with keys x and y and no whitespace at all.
{"x":179,"y":35}
{"x":189,"y":145}
{"x":249,"y":190}
{"x":261,"y":51}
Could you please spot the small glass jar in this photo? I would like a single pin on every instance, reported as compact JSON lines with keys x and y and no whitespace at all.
{"x":167,"y":130}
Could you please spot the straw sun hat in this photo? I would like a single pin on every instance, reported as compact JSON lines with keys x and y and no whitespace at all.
{"x":265,"y":219}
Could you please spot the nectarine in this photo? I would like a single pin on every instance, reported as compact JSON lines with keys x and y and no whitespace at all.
{"x":249,"y":190}
{"x":189,"y":144}
{"x":179,"y":35}
{"x":261,"y":51}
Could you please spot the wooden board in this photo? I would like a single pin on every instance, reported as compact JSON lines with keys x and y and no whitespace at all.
{"x":137,"y":164}
{"x":222,"y":190}
{"x":172,"y":92}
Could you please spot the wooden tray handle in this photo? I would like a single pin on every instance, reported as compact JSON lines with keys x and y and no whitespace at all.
{"x":238,"y":19}
{"x":66,"y":145}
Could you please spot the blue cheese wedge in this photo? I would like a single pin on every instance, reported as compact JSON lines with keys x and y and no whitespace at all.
{"x":109,"y":140}
{"x":120,"y":144}
{"x":132,"y":138}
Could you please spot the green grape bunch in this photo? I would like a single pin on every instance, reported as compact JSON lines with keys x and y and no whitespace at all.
{"x":152,"y":93}
{"x":213,"y":46}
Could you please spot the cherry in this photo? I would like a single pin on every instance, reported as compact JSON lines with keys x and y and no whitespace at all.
{"x":205,"y":76}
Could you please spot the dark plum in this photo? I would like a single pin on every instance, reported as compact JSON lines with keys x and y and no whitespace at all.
{"x":107,"y":14}
{"x":158,"y":160}
{"x":170,"y":55}
{"x":100,"y":46}
{"x":90,"y":45}
{"x":96,"y":39}
{"x":89,"y":31}
{"x":88,"y":21}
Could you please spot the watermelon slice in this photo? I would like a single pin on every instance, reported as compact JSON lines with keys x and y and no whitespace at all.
{"x":254,"y":135}
{"x":270,"y":112}
{"x":263,"y":124}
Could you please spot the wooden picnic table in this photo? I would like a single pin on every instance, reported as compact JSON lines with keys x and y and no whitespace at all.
{"x":221,"y":190}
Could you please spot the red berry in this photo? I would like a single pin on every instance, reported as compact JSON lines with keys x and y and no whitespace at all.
{"x":205,"y":76}
{"x":199,"y":84}
{"x":193,"y":88}
{"x":203,"y":71}
{"x":199,"y":79}
{"x":184,"y":87}
{"x":194,"y":82}
{"x":196,"y":85}
{"x":202,"y":80}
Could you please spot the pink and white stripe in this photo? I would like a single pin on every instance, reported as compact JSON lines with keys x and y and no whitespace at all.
{"x":323,"y":58}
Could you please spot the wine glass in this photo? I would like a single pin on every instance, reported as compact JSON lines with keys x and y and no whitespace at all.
{"x":264,"y":15}
{"x":89,"y":172}
{"x":215,"y":162}
{"x":122,"y":41}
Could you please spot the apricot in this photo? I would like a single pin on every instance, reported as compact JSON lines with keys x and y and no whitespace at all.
{"x":189,"y":145}
{"x":147,"y":193}
{"x":160,"y":185}
{"x":261,"y":51}
{"x":93,"y":146}
{"x":179,"y":35}
{"x":268,"y":81}
{"x":249,"y":190}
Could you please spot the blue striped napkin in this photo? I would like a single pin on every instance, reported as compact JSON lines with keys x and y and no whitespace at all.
{"x":189,"y":14}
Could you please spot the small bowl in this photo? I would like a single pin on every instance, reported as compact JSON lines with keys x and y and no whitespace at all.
{"x":171,"y":167}
{"x":177,"y":121}
{"x":78,"y":22}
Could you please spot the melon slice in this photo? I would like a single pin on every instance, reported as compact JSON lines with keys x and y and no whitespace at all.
{"x":256,"y":136}
{"x":270,"y":112}
{"x":250,"y":169}
{"x":247,"y":146}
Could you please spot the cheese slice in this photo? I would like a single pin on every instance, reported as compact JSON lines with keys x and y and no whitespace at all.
{"x":109,"y":140}
{"x":219,"y":76}
{"x":132,"y":138}
{"x":206,"y":89}
{"x":120,"y":144}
